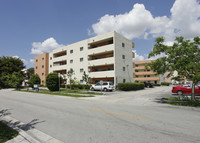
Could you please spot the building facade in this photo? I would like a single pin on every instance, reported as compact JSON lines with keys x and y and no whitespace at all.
{"x":106,"y":57}
{"x":42,"y":66}
{"x":141,"y":74}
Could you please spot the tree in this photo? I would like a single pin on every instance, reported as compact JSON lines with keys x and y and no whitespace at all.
{"x":35,"y":79}
{"x":183,"y":56}
{"x":9,"y":65}
{"x":86,"y":79}
{"x":70,"y":73}
{"x":30,"y":72}
{"x":52,"y":82}
{"x":16,"y":80}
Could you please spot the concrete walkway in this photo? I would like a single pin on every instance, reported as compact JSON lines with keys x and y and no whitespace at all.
{"x":26,"y":133}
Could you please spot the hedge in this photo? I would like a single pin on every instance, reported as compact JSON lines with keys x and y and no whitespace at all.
{"x":79,"y":86}
{"x":130,"y":86}
{"x":156,"y":84}
{"x":165,"y":83}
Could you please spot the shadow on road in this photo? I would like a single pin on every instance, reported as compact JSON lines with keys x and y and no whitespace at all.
{"x":4,"y":112}
{"x":17,"y":124}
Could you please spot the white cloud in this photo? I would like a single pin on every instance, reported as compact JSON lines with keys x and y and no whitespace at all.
{"x":32,"y":60}
{"x":139,"y":22}
{"x":46,"y":46}
{"x":138,"y":57}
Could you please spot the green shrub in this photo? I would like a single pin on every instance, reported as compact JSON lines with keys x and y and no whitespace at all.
{"x":156,"y":84}
{"x":35,"y":79}
{"x":52,"y":82}
{"x":130,"y":86}
{"x":62,"y":85}
{"x":79,"y":86}
{"x":165,"y":83}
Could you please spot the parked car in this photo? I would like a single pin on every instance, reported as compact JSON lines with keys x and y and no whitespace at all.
{"x":148,"y":84}
{"x":185,"y":89}
{"x":105,"y":86}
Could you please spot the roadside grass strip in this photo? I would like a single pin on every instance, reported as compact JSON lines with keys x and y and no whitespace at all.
{"x":120,"y":114}
{"x":6,"y":133}
{"x":42,"y":91}
{"x":181,"y":102}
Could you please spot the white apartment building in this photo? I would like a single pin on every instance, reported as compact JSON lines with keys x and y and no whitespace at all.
{"x":106,"y":57}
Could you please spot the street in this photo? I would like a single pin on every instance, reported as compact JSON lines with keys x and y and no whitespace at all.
{"x":117,"y":117}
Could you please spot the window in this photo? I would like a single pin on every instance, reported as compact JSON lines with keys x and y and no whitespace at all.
{"x":71,"y":61}
{"x":124,"y":68}
{"x":71,"y":51}
{"x":148,"y":75}
{"x":124,"y":80}
{"x":42,"y":74}
{"x":50,"y":58}
{"x":81,"y":70}
{"x":81,"y":81}
{"x":123,"y":56}
{"x":81,"y":48}
{"x":36,"y":60}
{"x":43,"y":59}
{"x":123,"y":45}
{"x":35,"y":67}
{"x":50,"y":66}
{"x":42,"y":81}
{"x":105,"y":83}
{"x":42,"y":66}
{"x":81,"y":59}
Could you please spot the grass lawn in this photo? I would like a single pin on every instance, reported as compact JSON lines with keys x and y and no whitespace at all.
{"x":6,"y":133}
{"x":176,"y":101}
{"x":67,"y":92}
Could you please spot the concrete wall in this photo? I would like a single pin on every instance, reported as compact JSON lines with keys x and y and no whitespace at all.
{"x":120,"y":75}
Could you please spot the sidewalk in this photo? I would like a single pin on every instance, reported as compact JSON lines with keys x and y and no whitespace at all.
{"x":27,"y":136}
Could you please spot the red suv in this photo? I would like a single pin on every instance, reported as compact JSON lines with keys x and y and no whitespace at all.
{"x":185,"y":89}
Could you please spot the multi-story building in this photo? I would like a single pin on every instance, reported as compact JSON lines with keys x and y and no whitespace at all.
{"x":42,"y":66}
{"x":106,"y":57}
{"x":141,"y":74}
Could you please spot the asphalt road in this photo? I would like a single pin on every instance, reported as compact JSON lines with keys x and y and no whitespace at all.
{"x":118,"y":117}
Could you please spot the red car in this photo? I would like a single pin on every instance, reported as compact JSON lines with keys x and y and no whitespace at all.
{"x":185,"y":89}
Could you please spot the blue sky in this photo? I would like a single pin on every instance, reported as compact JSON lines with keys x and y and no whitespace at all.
{"x":32,"y":27}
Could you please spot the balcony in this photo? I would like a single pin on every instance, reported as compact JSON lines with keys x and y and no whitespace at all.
{"x":146,"y":73}
{"x":147,"y":78}
{"x":102,"y":49}
{"x":60,"y":63}
{"x":101,"y":74}
{"x":99,"y":62}
{"x":100,"y":43}
{"x":62,"y":58}
{"x":141,"y":68}
{"x":61,"y":67}
{"x":60,"y":54}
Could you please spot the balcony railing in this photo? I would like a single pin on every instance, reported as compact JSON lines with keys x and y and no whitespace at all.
{"x":146,"y":73}
{"x":101,"y":74}
{"x":147,"y":78}
{"x":99,"y":62}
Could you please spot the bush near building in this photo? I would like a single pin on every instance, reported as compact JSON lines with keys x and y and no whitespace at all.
{"x":130,"y":86}
{"x":156,"y":84}
{"x":52,"y":82}
{"x":35,"y":79}
{"x":79,"y":86}
{"x":165,"y":83}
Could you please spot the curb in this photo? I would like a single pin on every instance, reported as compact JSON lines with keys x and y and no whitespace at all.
{"x":33,"y":135}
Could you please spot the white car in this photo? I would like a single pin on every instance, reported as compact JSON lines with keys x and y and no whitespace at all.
{"x":105,"y":86}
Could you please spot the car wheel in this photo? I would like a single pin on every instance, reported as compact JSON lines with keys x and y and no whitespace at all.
{"x":180,"y":92}
{"x":105,"y":89}
{"x":92,"y":89}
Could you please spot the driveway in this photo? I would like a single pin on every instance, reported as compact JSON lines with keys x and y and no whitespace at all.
{"x":148,"y":96}
{"x":118,"y":117}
